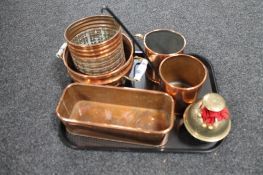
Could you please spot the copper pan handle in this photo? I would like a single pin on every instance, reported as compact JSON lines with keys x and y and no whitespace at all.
{"x":127,"y":31}
{"x":151,"y":65}
{"x":61,"y":50}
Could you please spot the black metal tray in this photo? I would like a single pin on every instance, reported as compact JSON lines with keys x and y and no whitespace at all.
{"x":179,"y":139}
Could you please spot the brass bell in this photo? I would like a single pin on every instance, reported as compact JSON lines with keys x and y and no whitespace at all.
{"x":208,"y":119}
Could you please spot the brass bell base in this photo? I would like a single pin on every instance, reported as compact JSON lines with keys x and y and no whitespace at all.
{"x":195,"y":126}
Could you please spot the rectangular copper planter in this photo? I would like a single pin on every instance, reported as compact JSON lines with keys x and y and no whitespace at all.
{"x":117,"y":113}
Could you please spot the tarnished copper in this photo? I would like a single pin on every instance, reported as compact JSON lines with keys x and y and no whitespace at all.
{"x":182,"y":76}
{"x":157,"y":48}
{"x":114,"y":77}
{"x":117,"y":113}
{"x":95,"y":44}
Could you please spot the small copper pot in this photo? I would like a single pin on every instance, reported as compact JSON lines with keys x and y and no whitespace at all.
{"x":160,"y":44}
{"x":182,"y":76}
{"x":115,"y":77}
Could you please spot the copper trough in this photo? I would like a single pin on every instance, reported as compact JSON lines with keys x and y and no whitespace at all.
{"x":117,"y":113}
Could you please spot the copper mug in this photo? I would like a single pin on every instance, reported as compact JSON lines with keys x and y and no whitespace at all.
{"x":160,"y":44}
{"x":182,"y":77}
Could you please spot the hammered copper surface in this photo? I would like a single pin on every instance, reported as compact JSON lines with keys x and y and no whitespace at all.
{"x":112,"y":78}
{"x":139,"y":115}
{"x":160,"y":44}
{"x":182,"y":76}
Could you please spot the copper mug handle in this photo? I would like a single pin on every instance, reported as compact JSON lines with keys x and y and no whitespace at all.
{"x":141,"y":37}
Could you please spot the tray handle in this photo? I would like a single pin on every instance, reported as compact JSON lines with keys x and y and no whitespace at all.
{"x":61,"y":50}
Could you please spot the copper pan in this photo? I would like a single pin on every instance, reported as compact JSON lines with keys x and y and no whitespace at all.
{"x":115,"y":77}
{"x":117,"y":113}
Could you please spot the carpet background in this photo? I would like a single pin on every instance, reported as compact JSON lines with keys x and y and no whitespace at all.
{"x":229,"y":33}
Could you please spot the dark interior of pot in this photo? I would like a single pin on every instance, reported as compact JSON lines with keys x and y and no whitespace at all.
{"x":186,"y":70}
{"x":164,"y":42}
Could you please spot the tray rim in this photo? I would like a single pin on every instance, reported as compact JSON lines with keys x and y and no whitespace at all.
{"x":68,"y":143}
{"x":161,"y":149}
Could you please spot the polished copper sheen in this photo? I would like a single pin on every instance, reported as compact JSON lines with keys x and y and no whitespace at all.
{"x":160,"y":44}
{"x":117,"y":113}
{"x":114,"y":77}
{"x":182,"y":76}
{"x":95,"y":44}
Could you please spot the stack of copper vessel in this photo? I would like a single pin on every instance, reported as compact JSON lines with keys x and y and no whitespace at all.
{"x":98,"y":53}
{"x":96,"y":45}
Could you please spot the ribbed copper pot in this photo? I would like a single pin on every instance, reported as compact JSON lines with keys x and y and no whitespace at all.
{"x":95,"y":44}
{"x":114,"y":77}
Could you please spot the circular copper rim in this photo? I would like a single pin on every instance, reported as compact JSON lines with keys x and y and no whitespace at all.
{"x":157,"y":30}
{"x":181,"y":88}
{"x":84,"y":20}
